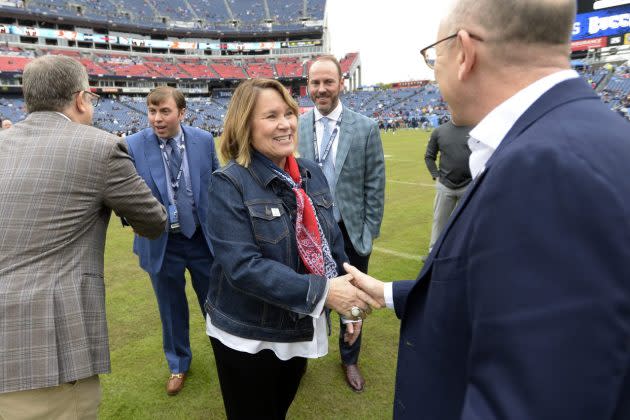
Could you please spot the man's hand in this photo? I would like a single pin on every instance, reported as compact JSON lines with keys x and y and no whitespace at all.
{"x":374,"y":288}
{"x":353,"y":329}
{"x":342,"y":296}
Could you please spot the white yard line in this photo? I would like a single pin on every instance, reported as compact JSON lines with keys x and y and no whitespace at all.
{"x":420,"y":184}
{"x":398,"y":254}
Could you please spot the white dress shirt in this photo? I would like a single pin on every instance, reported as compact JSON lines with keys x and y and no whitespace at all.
{"x":488,"y":134}
{"x":319,"y":129}
{"x":486,"y":137}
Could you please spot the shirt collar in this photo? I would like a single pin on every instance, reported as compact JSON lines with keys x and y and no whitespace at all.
{"x":177,"y":138}
{"x":333,"y":116}
{"x":495,"y":126}
{"x":63,"y":115}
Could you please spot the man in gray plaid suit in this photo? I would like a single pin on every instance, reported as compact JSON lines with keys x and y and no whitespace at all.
{"x":348,"y":148}
{"x":59,"y":180}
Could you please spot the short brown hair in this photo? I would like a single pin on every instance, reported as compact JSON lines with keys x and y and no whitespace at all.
{"x":330,"y":58}
{"x":237,"y":129}
{"x":162,"y":93}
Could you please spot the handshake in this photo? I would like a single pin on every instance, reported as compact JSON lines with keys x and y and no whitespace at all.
{"x":353,"y":295}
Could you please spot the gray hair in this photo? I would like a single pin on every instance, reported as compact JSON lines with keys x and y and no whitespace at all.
{"x":547,"y":22}
{"x":49,"y":82}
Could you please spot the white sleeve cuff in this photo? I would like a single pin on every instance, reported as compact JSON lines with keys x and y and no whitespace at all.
{"x":388,"y":294}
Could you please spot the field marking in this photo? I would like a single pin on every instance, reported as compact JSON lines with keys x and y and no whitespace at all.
{"x":398,"y":254}
{"x":420,"y":184}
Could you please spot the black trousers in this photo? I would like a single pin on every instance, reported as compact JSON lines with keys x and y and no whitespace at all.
{"x":350,"y":354}
{"x":256,"y":386}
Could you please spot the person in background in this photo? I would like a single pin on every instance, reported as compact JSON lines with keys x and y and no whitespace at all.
{"x":452,"y":177}
{"x":176,"y":162}
{"x":348,"y":147}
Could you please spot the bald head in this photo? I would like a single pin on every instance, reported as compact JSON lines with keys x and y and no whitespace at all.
{"x":534,"y":22}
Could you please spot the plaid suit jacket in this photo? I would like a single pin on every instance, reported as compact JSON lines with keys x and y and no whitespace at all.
{"x":360,"y":174}
{"x":58,"y":182}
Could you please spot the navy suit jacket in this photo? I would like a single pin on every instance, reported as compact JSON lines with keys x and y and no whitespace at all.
{"x":145,"y":152}
{"x":523,"y":309}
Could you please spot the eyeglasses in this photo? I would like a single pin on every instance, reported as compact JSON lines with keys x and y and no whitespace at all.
{"x":430,"y":54}
{"x":94,"y":98}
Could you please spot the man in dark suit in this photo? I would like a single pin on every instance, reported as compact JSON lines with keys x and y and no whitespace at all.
{"x":348,"y":147}
{"x":61,"y":178}
{"x":176,"y":162}
{"x":522,"y":310}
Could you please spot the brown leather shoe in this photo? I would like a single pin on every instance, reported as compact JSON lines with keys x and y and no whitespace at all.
{"x":354,"y":379}
{"x":175,"y":383}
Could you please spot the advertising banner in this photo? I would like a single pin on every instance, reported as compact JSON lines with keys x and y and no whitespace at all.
{"x":615,"y":40}
{"x":605,"y":22}
{"x":587,"y":44}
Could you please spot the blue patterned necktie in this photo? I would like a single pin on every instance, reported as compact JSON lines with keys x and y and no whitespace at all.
{"x":182,"y":200}
{"x":328,"y":164}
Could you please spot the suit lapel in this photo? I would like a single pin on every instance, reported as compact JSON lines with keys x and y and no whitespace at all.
{"x":194,"y":161}
{"x":306,"y":136}
{"x":567,"y":91}
{"x":458,"y":209}
{"x":345,"y":140}
{"x":153,"y":156}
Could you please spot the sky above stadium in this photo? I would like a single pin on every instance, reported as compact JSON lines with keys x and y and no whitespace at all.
{"x":388,"y":35}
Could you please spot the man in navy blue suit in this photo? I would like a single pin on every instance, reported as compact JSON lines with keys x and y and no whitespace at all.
{"x":176,"y":162}
{"x":522,"y":310}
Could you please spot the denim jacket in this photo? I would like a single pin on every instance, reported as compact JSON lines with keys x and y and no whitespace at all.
{"x":259,"y":287}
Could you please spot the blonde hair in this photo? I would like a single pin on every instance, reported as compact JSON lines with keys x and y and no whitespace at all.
{"x":237,"y":129}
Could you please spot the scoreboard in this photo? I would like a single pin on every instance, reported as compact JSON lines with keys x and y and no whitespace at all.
{"x":601,"y":23}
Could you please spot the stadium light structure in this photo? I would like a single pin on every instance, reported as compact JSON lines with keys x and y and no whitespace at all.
{"x":604,"y":4}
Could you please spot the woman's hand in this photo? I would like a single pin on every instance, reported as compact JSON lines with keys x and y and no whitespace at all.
{"x":343,"y":296}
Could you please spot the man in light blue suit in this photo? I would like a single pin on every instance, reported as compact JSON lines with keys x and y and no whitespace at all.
{"x":347,"y":145}
{"x":176,"y":163}
{"x":522,"y":309}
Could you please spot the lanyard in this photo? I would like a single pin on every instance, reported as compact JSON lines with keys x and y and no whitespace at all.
{"x":321,"y":161}
{"x":182,"y":150}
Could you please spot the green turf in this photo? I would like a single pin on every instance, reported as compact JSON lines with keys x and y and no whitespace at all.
{"x":135,"y":388}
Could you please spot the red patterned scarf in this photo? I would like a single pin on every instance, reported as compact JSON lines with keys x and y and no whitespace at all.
{"x":307,"y":233}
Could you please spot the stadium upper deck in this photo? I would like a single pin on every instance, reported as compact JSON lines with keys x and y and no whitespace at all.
{"x":221,"y":16}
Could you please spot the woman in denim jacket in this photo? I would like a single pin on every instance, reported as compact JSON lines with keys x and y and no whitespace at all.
{"x":278,"y":254}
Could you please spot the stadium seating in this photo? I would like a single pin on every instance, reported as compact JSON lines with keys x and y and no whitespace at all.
{"x":289,"y":67}
{"x":226,"y":69}
{"x":253,"y":15}
{"x":285,"y":10}
{"x":259,"y":68}
{"x":248,"y":11}
{"x":13,"y":64}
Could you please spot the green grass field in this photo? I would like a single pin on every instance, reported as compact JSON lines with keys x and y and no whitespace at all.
{"x":135,"y":388}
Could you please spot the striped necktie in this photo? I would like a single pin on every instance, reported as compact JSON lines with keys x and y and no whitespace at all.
{"x":182,"y":200}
